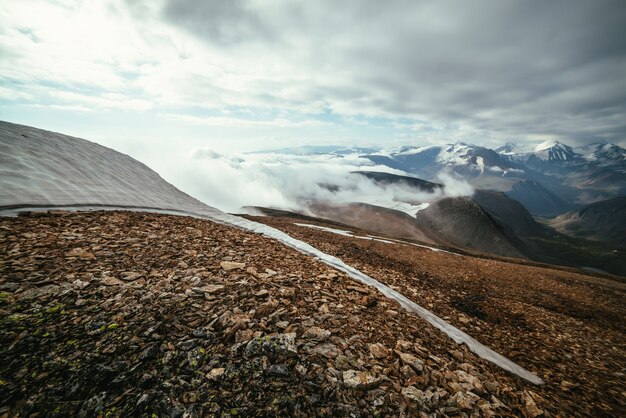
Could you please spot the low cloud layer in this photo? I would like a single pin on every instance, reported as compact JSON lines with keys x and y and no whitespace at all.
{"x":292,"y":182}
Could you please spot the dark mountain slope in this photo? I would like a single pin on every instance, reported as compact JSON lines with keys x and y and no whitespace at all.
{"x":601,"y":221}
{"x":464,"y":223}
{"x":510,"y":214}
{"x":538,"y":199}
{"x":388,"y":178}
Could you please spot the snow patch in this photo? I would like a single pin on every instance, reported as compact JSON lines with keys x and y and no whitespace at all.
{"x":546,"y":145}
{"x":481,"y":164}
{"x":408,"y":208}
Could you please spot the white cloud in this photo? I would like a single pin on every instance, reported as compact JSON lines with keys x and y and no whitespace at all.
{"x":292,"y":182}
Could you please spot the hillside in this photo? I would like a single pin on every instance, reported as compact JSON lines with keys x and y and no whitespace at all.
{"x":523,"y":309}
{"x":163,"y":306}
{"x":465,"y":224}
{"x":486,"y":222}
{"x":120,"y":313}
{"x":602,"y":221}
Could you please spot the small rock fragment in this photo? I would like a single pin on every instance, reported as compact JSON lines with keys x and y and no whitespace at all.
{"x":209,"y":288}
{"x":317,"y":333}
{"x":377,"y":350}
{"x":79,"y":284}
{"x":414,"y":394}
{"x":568,"y":386}
{"x":530,"y":408}
{"x":130,"y":276}
{"x":231,"y":265}
{"x":216,"y":374}
{"x":273,"y":346}
{"x":80,"y":253}
{"x":355,"y":379}
{"x":111,"y":281}
{"x":278,"y":370}
{"x":411,"y":360}
{"x":327,"y":350}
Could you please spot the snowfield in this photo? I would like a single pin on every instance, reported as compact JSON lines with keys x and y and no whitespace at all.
{"x":45,"y":169}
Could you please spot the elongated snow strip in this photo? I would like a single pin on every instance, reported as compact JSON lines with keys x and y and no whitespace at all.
{"x":206,"y":212}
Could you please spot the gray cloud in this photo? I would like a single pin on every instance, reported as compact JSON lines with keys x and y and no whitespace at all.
{"x":510,"y":68}
{"x":223,"y":22}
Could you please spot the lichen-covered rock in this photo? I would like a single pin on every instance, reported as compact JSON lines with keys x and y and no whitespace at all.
{"x":273,"y":346}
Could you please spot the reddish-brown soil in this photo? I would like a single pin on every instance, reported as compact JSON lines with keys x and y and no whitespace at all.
{"x":132,"y":314}
{"x":566,"y":326}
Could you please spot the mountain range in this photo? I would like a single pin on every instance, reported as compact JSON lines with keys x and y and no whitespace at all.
{"x":516,"y":194}
{"x":550,"y":179}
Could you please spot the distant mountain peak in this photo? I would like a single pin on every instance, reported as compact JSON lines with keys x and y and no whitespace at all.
{"x":508,"y":149}
{"x":551,"y":143}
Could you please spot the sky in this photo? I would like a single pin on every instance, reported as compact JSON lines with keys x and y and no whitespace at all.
{"x":244,"y":75}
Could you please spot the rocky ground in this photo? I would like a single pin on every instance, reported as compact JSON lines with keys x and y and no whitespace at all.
{"x":132,"y":314}
{"x":566,"y":326}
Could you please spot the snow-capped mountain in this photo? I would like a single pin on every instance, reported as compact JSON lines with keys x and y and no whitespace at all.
{"x":604,"y":152}
{"x":508,"y":149}
{"x":554,"y":151}
{"x":549,"y":179}
{"x":465,"y":159}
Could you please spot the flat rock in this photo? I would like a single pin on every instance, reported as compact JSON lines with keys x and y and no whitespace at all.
{"x":411,"y":360}
{"x":355,"y":379}
{"x":130,"y":276}
{"x":317,"y":333}
{"x":209,"y":288}
{"x":414,"y":394}
{"x":530,"y":407}
{"x":231,"y":265}
{"x":111,"y":281}
{"x":216,"y":374}
{"x":80,"y":253}
{"x":327,"y":350}
{"x":377,"y":350}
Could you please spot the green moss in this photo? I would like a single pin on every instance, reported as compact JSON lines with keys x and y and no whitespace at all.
{"x":55,"y":308}
{"x":16,"y":317}
{"x":4,"y":296}
{"x":112,"y":326}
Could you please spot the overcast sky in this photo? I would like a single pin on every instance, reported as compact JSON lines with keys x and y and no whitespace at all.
{"x":241,"y":75}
